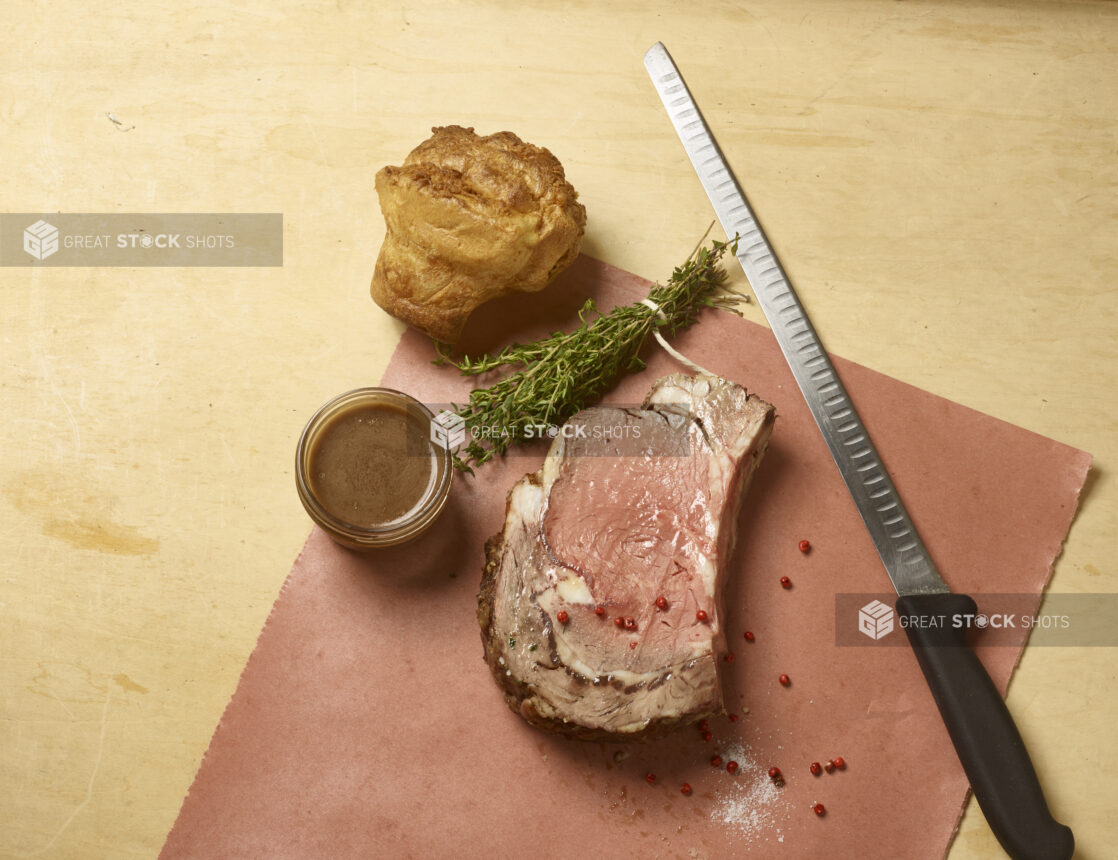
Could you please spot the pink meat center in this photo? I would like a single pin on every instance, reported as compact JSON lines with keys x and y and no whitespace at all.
{"x":636,"y":530}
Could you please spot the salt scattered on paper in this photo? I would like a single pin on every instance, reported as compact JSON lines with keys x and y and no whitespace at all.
{"x":751,"y":803}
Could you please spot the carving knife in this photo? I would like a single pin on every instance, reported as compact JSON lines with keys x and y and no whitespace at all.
{"x":977,"y":719}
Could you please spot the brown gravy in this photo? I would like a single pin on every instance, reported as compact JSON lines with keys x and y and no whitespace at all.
{"x":372,"y":465}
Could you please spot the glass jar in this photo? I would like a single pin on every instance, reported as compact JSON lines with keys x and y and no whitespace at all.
{"x":368,"y":471}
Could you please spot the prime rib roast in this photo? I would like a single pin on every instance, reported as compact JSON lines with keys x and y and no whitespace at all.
{"x":600,"y":603}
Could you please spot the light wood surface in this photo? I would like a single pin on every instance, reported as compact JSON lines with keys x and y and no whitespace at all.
{"x":938,"y":179}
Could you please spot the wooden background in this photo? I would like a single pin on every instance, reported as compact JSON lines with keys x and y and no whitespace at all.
{"x":937,"y":177}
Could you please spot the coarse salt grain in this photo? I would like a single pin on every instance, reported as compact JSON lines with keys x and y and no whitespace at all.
{"x":752,"y":804}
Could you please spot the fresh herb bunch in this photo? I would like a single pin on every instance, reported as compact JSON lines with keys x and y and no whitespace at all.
{"x":566,"y":372}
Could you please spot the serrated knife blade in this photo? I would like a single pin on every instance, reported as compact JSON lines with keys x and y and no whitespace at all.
{"x":901,"y":550}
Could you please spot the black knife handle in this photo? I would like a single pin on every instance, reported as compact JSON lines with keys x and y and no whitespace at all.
{"x":982,"y":729}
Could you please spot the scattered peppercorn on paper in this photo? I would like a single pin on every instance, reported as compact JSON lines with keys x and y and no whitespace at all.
{"x":367,"y":724}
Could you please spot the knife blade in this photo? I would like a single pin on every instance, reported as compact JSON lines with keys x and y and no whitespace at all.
{"x":977,"y":719}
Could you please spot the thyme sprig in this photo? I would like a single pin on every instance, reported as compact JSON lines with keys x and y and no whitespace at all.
{"x":561,"y":374}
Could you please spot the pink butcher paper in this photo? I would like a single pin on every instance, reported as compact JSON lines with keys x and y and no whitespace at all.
{"x":367,"y":725}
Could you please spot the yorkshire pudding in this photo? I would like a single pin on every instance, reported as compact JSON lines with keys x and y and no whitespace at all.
{"x":470,"y":219}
